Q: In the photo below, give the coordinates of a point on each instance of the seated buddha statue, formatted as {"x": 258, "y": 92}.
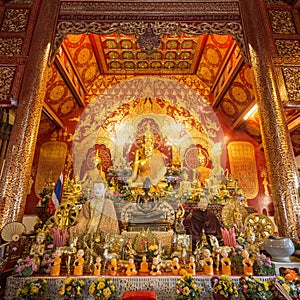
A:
{"x": 144, "y": 267}
{"x": 148, "y": 162}
{"x": 92, "y": 175}
{"x": 147, "y": 206}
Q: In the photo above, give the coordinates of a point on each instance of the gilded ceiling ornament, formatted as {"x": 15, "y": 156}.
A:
{"x": 7, "y": 76}
{"x": 10, "y": 46}
{"x": 292, "y": 77}
{"x": 282, "y": 22}
{"x": 15, "y": 20}
{"x": 158, "y": 29}
{"x": 290, "y": 48}
{"x": 149, "y": 42}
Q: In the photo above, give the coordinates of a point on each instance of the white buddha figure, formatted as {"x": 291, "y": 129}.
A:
{"x": 97, "y": 214}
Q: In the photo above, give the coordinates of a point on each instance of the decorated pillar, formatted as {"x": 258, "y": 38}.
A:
{"x": 276, "y": 139}
{"x": 17, "y": 168}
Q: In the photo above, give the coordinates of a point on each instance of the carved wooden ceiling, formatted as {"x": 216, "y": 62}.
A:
{"x": 212, "y": 64}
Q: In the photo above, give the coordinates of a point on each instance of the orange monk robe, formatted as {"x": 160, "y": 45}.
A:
{"x": 192, "y": 268}
{"x": 248, "y": 266}
{"x": 131, "y": 270}
{"x": 55, "y": 267}
{"x": 226, "y": 266}
{"x": 208, "y": 266}
{"x": 78, "y": 266}
{"x": 97, "y": 269}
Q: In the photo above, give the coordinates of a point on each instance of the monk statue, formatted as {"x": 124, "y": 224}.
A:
{"x": 93, "y": 174}
{"x": 203, "y": 220}
{"x": 97, "y": 214}
{"x": 148, "y": 162}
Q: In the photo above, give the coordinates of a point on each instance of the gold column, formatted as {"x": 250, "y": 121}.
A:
{"x": 17, "y": 168}
{"x": 276, "y": 139}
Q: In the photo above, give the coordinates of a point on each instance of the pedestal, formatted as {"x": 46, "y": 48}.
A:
{"x": 287, "y": 265}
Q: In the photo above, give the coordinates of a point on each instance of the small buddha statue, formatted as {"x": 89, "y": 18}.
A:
{"x": 79, "y": 263}
{"x": 179, "y": 226}
{"x": 97, "y": 266}
{"x": 226, "y": 262}
{"x": 113, "y": 267}
{"x": 131, "y": 269}
{"x": 192, "y": 266}
{"x": 144, "y": 265}
{"x": 55, "y": 264}
{"x": 38, "y": 248}
{"x": 247, "y": 263}
{"x": 185, "y": 186}
{"x": 175, "y": 266}
{"x": 155, "y": 268}
{"x": 252, "y": 245}
{"x": 208, "y": 262}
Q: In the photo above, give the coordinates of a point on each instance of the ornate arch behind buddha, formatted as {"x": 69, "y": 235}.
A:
{"x": 115, "y": 119}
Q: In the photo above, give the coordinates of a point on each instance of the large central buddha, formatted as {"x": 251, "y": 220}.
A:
{"x": 148, "y": 162}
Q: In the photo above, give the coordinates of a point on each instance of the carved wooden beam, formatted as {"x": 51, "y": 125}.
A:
{"x": 53, "y": 117}
{"x": 227, "y": 74}
{"x": 240, "y": 120}
{"x": 97, "y": 48}
{"x": 77, "y": 90}
{"x": 291, "y": 105}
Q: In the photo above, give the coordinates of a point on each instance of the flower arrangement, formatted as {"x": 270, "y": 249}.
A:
{"x": 224, "y": 286}
{"x": 236, "y": 255}
{"x": 255, "y": 289}
{"x": 25, "y": 267}
{"x": 186, "y": 288}
{"x": 32, "y": 288}
{"x": 102, "y": 288}
{"x": 290, "y": 287}
{"x": 153, "y": 249}
{"x": 72, "y": 287}
{"x": 291, "y": 275}
{"x": 263, "y": 266}
{"x": 82, "y": 198}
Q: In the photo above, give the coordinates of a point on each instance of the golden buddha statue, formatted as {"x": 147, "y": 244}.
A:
{"x": 93, "y": 174}
{"x": 203, "y": 172}
{"x": 148, "y": 162}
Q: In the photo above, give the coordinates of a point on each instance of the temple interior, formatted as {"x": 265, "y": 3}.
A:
{"x": 138, "y": 132}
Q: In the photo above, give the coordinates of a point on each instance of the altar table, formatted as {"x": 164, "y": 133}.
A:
{"x": 164, "y": 286}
